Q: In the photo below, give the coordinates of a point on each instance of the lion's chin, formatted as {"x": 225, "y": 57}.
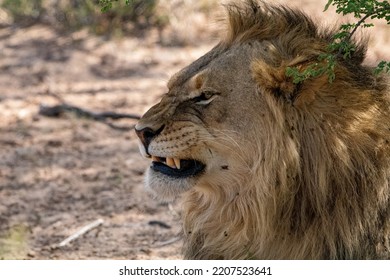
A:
{"x": 165, "y": 187}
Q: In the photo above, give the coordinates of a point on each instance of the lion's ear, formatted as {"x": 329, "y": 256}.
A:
{"x": 274, "y": 80}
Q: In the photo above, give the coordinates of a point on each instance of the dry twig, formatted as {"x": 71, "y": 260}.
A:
{"x": 81, "y": 232}
{"x": 168, "y": 242}
{"x": 58, "y": 110}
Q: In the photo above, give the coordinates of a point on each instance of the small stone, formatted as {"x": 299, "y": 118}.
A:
{"x": 31, "y": 254}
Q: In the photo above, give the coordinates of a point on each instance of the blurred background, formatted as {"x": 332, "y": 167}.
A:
{"x": 61, "y": 173}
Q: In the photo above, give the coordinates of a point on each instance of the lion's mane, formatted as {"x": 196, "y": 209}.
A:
{"x": 320, "y": 187}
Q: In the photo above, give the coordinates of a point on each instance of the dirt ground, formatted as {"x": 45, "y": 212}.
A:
{"x": 58, "y": 175}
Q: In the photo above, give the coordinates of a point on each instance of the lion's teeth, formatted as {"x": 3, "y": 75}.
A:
{"x": 170, "y": 162}
{"x": 177, "y": 162}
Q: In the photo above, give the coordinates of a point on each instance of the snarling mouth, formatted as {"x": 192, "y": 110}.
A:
{"x": 177, "y": 168}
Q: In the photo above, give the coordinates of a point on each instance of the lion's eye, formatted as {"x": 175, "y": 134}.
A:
{"x": 204, "y": 98}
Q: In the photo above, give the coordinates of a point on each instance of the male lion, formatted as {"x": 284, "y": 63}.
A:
{"x": 267, "y": 168}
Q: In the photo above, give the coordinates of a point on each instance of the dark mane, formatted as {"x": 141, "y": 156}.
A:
{"x": 291, "y": 29}
{"x": 256, "y": 20}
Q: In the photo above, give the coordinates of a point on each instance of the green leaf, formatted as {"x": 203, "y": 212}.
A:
{"x": 328, "y": 5}
{"x": 383, "y": 66}
{"x": 367, "y": 25}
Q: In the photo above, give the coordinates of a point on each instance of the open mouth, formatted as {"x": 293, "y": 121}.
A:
{"x": 177, "y": 168}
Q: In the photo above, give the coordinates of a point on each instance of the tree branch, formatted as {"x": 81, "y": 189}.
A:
{"x": 58, "y": 110}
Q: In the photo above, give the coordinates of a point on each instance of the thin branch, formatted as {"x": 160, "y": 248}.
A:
{"x": 159, "y": 223}
{"x": 81, "y": 232}
{"x": 363, "y": 19}
{"x": 57, "y": 110}
{"x": 358, "y": 24}
{"x": 168, "y": 242}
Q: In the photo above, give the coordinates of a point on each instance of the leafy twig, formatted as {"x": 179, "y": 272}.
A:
{"x": 106, "y": 5}
{"x": 341, "y": 45}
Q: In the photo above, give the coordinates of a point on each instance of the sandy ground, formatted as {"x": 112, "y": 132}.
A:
{"x": 59, "y": 174}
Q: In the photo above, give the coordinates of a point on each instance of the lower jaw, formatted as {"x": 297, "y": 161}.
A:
{"x": 166, "y": 188}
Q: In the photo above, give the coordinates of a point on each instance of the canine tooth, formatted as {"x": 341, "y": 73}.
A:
{"x": 177, "y": 162}
{"x": 170, "y": 162}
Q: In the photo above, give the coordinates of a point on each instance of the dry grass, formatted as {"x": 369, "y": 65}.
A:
{"x": 14, "y": 243}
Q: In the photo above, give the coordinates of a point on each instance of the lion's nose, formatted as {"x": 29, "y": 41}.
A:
{"x": 147, "y": 134}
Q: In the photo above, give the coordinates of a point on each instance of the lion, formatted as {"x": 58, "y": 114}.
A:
{"x": 266, "y": 168}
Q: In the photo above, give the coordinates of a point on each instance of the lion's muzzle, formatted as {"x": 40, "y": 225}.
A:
{"x": 170, "y": 166}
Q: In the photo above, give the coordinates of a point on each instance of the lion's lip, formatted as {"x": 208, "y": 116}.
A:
{"x": 177, "y": 168}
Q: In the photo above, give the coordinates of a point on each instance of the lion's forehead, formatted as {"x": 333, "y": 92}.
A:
{"x": 216, "y": 68}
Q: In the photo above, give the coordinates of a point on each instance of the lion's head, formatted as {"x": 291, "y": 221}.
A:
{"x": 268, "y": 168}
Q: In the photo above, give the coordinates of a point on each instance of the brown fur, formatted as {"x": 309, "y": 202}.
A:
{"x": 293, "y": 171}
